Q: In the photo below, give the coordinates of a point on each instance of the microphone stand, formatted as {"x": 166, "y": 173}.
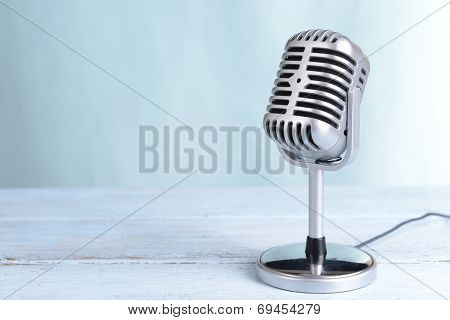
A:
{"x": 315, "y": 203}
{"x": 315, "y": 249}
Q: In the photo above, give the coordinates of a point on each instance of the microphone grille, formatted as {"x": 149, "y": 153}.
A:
{"x": 317, "y": 71}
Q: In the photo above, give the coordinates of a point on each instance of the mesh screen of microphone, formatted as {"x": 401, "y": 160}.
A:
{"x": 307, "y": 114}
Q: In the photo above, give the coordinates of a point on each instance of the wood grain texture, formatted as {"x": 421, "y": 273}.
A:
{"x": 202, "y": 243}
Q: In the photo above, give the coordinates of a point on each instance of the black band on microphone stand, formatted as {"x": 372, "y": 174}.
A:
{"x": 316, "y": 250}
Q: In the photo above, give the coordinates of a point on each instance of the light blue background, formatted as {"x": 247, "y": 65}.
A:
{"x": 64, "y": 123}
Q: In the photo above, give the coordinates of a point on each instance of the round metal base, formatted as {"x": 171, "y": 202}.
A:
{"x": 345, "y": 268}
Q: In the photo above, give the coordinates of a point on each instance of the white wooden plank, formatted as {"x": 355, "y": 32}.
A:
{"x": 202, "y": 243}
{"x": 141, "y": 280}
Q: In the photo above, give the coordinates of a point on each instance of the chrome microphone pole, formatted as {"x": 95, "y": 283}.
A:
{"x": 315, "y": 247}
{"x": 316, "y": 203}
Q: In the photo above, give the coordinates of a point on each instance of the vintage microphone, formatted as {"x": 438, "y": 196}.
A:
{"x": 313, "y": 117}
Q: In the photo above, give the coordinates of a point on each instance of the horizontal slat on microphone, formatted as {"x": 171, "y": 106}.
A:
{"x": 283, "y": 93}
{"x": 277, "y": 110}
{"x": 326, "y": 89}
{"x": 335, "y": 53}
{"x": 328, "y": 70}
{"x": 316, "y": 106}
{"x": 282, "y": 102}
{"x": 316, "y": 116}
{"x": 290, "y": 66}
{"x": 333, "y": 62}
{"x": 282, "y": 84}
{"x": 328, "y": 80}
{"x": 296, "y": 49}
{"x": 313, "y": 96}
{"x": 284, "y": 75}
{"x": 293, "y": 58}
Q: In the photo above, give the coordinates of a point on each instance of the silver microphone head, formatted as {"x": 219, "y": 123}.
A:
{"x": 322, "y": 76}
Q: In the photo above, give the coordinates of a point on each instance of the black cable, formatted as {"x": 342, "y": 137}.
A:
{"x": 401, "y": 224}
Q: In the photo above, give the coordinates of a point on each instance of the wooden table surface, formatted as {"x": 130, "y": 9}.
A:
{"x": 203, "y": 243}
